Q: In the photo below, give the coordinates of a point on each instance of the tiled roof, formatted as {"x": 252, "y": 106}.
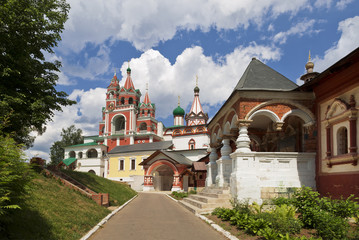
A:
{"x": 259, "y": 76}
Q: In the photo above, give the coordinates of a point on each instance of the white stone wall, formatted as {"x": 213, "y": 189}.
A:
{"x": 256, "y": 170}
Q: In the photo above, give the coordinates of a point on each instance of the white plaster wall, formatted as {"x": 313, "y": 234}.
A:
{"x": 193, "y": 155}
{"x": 181, "y": 142}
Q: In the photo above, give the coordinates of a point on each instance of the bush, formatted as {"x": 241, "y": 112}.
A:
{"x": 329, "y": 226}
{"x": 282, "y": 200}
{"x": 179, "y": 195}
{"x": 15, "y": 174}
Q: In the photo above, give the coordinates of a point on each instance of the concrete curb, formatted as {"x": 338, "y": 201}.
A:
{"x": 211, "y": 223}
{"x": 103, "y": 221}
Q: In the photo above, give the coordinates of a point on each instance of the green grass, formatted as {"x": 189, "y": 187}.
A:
{"x": 119, "y": 192}
{"x": 53, "y": 211}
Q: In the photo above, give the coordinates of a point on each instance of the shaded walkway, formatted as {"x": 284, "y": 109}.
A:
{"x": 155, "y": 216}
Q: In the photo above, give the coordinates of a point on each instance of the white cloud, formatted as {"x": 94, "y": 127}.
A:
{"x": 348, "y": 41}
{"x": 323, "y": 3}
{"x": 342, "y": 4}
{"x": 89, "y": 106}
{"x": 166, "y": 82}
{"x": 146, "y": 23}
{"x": 300, "y": 29}
{"x": 92, "y": 66}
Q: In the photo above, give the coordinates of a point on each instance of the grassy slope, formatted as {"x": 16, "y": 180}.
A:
{"x": 119, "y": 192}
{"x": 53, "y": 211}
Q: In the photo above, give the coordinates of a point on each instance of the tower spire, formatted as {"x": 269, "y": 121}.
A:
{"x": 147, "y": 97}
{"x": 128, "y": 82}
{"x": 310, "y": 73}
{"x": 196, "y": 116}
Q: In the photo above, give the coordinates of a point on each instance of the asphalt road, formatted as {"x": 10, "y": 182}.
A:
{"x": 155, "y": 216}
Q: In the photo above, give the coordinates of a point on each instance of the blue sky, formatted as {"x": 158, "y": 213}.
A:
{"x": 168, "y": 43}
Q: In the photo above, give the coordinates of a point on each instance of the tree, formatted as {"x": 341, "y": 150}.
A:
{"x": 70, "y": 136}
{"x": 15, "y": 174}
{"x": 28, "y": 30}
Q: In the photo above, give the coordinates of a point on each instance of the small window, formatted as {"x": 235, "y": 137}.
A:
{"x": 72, "y": 154}
{"x": 92, "y": 153}
{"x": 80, "y": 154}
{"x": 133, "y": 164}
{"x": 121, "y": 165}
{"x": 130, "y": 100}
{"x": 191, "y": 144}
{"x": 342, "y": 140}
{"x": 122, "y": 100}
{"x": 143, "y": 126}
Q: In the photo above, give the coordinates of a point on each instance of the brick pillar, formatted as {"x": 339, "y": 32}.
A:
{"x": 353, "y": 134}
{"x": 329, "y": 148}
{"x": 148, "y": 183}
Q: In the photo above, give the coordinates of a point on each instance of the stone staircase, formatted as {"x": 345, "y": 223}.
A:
{"x": 207, "y": 200}
{"x": 100, "y": 198}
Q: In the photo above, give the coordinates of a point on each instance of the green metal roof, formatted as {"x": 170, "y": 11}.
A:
{"x": 84, "y": 144}
{"x": 259, "y": 76}
{"x": 68, "y": 161}
{"x": 178, "y": 111}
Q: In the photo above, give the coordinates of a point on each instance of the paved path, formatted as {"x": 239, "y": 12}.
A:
{"x": 155, "y": 216}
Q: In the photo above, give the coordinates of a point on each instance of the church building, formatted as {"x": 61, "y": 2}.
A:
{"x": 133, "y": 147}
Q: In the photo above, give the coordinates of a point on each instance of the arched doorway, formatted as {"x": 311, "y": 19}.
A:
{"x": 163, "y": 178}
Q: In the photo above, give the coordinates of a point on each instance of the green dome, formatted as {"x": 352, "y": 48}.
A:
{"x": 128, "y": 69}
{"x": 178, "y": 111}
{"x": 196, "y": 89}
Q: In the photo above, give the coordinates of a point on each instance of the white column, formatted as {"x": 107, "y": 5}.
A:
{"x": 211, "y": 167}
{"x": 243, "y": 141}
{"x": 224, "y": 164}
{"x": 245, "y": 183}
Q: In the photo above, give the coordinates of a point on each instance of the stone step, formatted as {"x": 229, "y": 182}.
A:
{"x": 195, "y": 209}
{"x": 215, "y": 195}
{"x": 199, "y": 204}
{"x": 216, "y": 191}
{"x": 207, "y": 199}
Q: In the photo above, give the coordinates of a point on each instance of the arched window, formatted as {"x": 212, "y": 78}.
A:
{"x": 143, "y": 112}
{"x": 143, "y": 126}
{"x": 192, "y": 144}
{"x": 103, "y": 130}
{"x": 122, "y": 100}
{"x": 149, "y": 112}
{"x": 342, "y": 140}
{"x": 92, "y": 171}
{"x": 92, "y": 153}
{"x": 80, "y": 154}
{"x": 119, "y": 123}
{"x": 130, "y": 100}
{"x": 72, "y": 154}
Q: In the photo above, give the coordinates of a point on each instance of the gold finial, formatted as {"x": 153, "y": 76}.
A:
{"x": 309, "y": 57}
{"x": 115, "y": 71}
{"x": 179, "y": 100}
{"x": 128, "y": 63}
{"x": 196, "y": 80}
{"x": 147, "y": 87}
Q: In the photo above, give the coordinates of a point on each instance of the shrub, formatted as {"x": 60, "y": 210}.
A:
{"x": 343, "y": 208}
{"x": 307, "y": 203}
{"x": 179, "y": 195}
{"x": 282, "y": 200}
{"x": 329, "y": 226}
{"x": 223, "y": 213}
{"x": 192, "y": 192}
